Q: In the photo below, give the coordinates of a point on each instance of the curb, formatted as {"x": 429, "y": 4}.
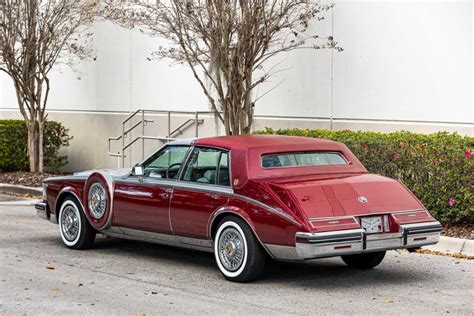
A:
{"x": 25, "y": 202}
{"x": 21, "y": 188}
{"x": 454, "y": 245}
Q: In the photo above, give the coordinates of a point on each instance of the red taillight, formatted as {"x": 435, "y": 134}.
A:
{"x": 343, "y": 247}
{"x": 412, "y": 217}
{"x": 343, "y": 221}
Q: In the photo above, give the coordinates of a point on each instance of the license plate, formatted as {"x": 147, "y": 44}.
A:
{"x": 372, "y": 225}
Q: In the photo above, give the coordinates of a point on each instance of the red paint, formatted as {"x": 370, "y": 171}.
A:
{"x": 311, "y": 199}
{"x": 142, "y": 206}
{"x": 191, "y": 211}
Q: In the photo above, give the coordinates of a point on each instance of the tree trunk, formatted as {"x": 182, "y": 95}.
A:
{"x": 33, "y": 145}
{"x": 40, "y": 147}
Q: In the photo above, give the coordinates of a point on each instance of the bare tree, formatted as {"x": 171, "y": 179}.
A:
{"x": 226, "y": 43}
{"x": 35, "y": 35}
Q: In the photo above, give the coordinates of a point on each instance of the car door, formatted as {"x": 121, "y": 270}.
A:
{"x": 142, "y": 203}
{"x": 203, "y": 187}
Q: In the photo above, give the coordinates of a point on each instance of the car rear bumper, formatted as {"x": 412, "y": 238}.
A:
{"x": 354, "y": 241}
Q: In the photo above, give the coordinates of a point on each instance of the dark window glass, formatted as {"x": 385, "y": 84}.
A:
{"x": 165, "y": 163}
{"x": 302, "y": 159}
{"x": 209, "y": 166}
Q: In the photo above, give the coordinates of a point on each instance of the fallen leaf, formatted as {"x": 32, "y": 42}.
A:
{"x": 142, "y": 314}
{"x": 55, "y": 289}
{"x": 388, "y": 302}
{"x": 50, "y": 266}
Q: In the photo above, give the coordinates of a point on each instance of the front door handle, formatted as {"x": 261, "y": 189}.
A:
{"x": 214, "y": 196}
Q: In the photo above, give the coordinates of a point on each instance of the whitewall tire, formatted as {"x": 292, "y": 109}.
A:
{"x": 75, "y": 230}
{"x": 238, "y": 253}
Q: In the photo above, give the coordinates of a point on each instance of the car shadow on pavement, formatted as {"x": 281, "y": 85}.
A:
{"x": 328, "y": 273}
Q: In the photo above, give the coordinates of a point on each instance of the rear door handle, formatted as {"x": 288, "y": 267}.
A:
{"x": 167, "y": 193}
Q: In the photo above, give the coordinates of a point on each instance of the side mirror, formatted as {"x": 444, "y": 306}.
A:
{"x": 138, "y": 171}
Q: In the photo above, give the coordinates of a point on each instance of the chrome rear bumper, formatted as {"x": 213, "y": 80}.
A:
{"x": 353, "y": 241}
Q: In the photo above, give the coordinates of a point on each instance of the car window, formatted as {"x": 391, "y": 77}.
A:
{"x": 166, "y": 163}
{"x": 302, "y": 159}
{"x": 209, "y": 166}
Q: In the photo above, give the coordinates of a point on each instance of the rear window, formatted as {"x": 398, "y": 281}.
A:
{"x": 302, "y": 159}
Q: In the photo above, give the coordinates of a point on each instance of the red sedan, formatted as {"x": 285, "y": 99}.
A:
{"x": 245, "y": 198}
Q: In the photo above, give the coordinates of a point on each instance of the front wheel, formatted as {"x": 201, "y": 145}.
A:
{"x": 364, "y": 260}
{"x": 239, "y": 255}
{"x": 75, "y": 230}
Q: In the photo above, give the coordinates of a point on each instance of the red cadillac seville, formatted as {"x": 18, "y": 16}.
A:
{"x": 245, "y": 198}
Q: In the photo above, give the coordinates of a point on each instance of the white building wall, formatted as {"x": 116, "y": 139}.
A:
{"x": 405, "y": 65}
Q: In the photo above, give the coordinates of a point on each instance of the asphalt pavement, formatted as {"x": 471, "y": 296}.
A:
{"x": 39, "y": 276}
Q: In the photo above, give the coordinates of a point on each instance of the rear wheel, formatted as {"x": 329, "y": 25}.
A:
{"x": 75, "y": 230}
{"x": 364, "y": 260}
{"x": 238, "y": 253}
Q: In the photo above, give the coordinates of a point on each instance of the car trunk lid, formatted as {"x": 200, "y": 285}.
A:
{"x": 352, "y": 195}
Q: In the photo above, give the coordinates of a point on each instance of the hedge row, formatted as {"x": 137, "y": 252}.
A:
{"x": 14, "y": 145}
{"x": 438, "y": 168}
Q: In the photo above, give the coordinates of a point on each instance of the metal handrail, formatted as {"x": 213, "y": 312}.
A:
{"x": 143, "y": 122}
{"x": 166, "y": 139}
{"x": 179, "y": 128}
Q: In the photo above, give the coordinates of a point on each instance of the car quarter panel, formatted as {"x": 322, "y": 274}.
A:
{"x": 57, "y": 188}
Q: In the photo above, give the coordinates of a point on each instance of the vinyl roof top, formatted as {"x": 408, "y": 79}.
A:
{"x": 262, "y": 141}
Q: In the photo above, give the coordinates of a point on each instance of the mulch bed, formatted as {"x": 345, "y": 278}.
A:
{"x": 28, "y": 179}
{"x": 35, "y": 179}
{"x": 465, "y": 231}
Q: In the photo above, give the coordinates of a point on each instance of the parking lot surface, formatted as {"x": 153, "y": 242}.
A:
{"x": 118, "y": 277}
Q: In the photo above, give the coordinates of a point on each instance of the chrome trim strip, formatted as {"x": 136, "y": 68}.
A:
{"x": 342, "y": 242}
{"x": 158, "y": 238}
{"x": 179, "y": 184}
{"x": 283, "y": 253}
{"x": 422, "y": 225}
{"x": 64, "y": 178}
{"x": 365, "y": 214}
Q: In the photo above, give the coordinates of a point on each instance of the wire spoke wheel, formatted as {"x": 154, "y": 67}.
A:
{"x": 70, "y": 223}
{"x": 97, "y": 199}
{"x": 231, "y": 249}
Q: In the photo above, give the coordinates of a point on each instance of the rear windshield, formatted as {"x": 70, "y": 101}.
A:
{"x": 302, "y": 159}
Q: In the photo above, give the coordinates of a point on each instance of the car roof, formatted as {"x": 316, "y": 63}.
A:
{"x": 268, "y": 142}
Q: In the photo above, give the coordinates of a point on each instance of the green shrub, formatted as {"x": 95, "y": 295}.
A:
{"x": 14, "y": 144}
{"x": 438, "y": 168}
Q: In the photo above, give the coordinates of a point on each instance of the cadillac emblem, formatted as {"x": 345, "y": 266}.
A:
{"x": 362, "y": 199}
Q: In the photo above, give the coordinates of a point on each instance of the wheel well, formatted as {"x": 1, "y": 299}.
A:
{"x": 220, "y": 217}
{"x": 61, "y": 200}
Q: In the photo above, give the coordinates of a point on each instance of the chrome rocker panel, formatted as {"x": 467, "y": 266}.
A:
{"x": 355, "y": 241}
